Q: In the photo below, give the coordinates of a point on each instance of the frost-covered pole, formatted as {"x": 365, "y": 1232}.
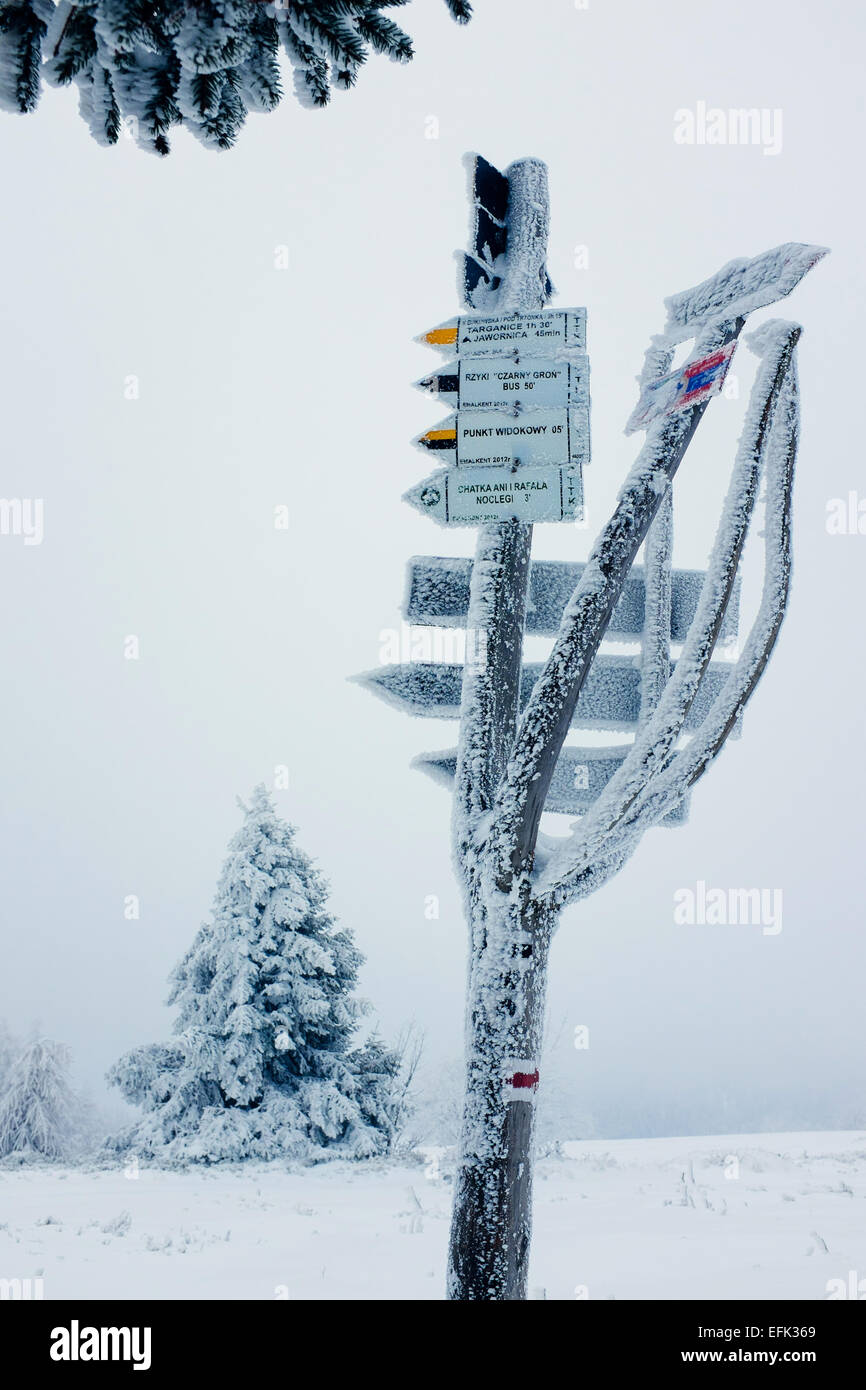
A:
{"x": 502, "y": 782}
{"x": 507, "y": 950}
{"x": 497, "y": 599}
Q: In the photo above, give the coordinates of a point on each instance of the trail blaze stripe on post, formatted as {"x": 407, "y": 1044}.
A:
{"x": 519, "y": 1081}
{"x": 523, "y": 1079}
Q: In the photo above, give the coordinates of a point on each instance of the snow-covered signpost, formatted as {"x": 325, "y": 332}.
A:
{"x": 510, "y": 764}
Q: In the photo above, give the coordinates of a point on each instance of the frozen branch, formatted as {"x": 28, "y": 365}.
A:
{"x": 650, "y": 782}
{"x": 548, "y": 715}
{"x": 656, "y": 638}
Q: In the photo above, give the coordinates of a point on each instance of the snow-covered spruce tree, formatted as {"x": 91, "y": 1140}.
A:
{"x": 262, "y": 1064}
{"x": 141, "y": 67}
{"x": 37, "y": 1107}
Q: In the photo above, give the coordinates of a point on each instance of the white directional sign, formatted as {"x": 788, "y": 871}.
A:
{"x": 495, "y": 439}
{"x": 437, "y": 595}
{"x": 515, "y": 382}
{"x": 579, "y": 778}
{"x": 610, "y": 698}
{"x": 740, "y": 287}
{"x": 475, "y": 496}
{"x": 489, "y": 335}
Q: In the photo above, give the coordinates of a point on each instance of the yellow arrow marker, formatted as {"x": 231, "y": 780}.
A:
{"x": 439, "y": 439}
{"x": 490, "y": 335}
{"x": 443, "y": 337}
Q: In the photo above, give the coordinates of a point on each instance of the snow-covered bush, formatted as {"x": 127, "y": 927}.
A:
{"x": 142, "y": 68}
{"x": 37, "y": 1105}
{"x": 262, "y": 1064}
{"x": 9, "y": 1050}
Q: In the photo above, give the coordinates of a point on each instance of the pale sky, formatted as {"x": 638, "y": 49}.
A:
{"x": 260, "y": 386}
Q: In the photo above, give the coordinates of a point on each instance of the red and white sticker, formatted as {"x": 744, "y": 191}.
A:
{"x": 520, "y": 1080}
{"x": 697, "y": 381}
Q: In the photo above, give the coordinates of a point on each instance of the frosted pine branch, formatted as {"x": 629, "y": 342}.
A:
{"x": 141, "y": 69}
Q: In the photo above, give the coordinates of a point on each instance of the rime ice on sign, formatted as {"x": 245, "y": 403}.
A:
{"x": 520, "y": 435}
{"x": 580, "y": 777}
{"x": 513, "y": 383}
{"x": 697, "y": 381}
{"x": 497, "y": 440}
{"x": 475, "y": 496}
{"x": 437, "y": 595}
{"x": 739, "y": 288}
{"x": 609, "y": 698}
{"x": 488, "y": 335}
{"x": 489, "y": 194}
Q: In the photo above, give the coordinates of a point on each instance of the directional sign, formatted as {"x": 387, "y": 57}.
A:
{"x": 490, "y": 189}
{"x": 437, "y": 595}
{"x": 495, "y": 439}
{"x": 474, "y": 496}
{"x": 609, "y": 699}
{"x": 512, "y": 383}
{"x": 739, "y": 288}
{"x": 490, "y": 233}
{"x": 488, "y": 335}
{"x": 580, "y": 776}
{"x": 697, "y": 381}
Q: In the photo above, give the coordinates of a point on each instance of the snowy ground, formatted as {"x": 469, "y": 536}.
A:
{"x": 743, "y": 1216}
